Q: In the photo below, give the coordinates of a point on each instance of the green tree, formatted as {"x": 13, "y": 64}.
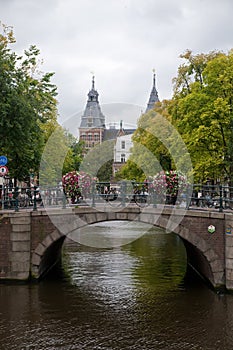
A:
{"x": 27, "y": 101}
{"x": 62, "y": 153}
{"x": 98, "y": 161}
{"x": 157, "y": 146}
{"x": 202, "y": 108}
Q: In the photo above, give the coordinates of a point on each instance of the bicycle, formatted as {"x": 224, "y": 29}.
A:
{"x": 112, "y": 197}
{"x": 141, "y": 198}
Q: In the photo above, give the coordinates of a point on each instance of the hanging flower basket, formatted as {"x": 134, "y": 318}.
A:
{"x": 168, "y": 183}
{"x": 76, "y": 185}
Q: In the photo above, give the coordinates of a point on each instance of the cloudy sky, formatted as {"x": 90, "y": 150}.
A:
{"x": 121, "y": 41}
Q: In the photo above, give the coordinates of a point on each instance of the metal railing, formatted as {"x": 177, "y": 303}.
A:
{"x": 197, "y": 196}
{"x": 17, "y": 198}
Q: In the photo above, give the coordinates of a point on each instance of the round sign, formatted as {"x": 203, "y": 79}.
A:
{"x": 3, "y": 160}
{"x": 3, "y": 170}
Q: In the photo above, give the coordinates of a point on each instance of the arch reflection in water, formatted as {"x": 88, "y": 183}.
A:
{"x": 156, "y": 260}
{"x": 109, "y": 234}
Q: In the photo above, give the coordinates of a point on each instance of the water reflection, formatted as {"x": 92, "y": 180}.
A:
{"x": 110, "y": 234}
{"x": 129, "y": 297}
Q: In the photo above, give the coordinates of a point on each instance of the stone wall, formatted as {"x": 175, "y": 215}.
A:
{"x": 15, "y": 243}
{"x": 229, "y": 251}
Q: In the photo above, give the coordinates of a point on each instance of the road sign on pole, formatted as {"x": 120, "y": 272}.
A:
{"x": 3, "y": 160}
{"x": 3, "y": 170}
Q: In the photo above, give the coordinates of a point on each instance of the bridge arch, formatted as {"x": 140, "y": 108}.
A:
{"x": 200, "y": 253}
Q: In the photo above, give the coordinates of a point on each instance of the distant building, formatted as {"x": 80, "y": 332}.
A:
{"x": 122, "y": 151}
{"x": 93, "y": 129}
{"x": 92, "y": 126}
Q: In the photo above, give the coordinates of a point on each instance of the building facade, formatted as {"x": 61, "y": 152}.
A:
{"x": 93, "y": 129}
{"x": 92, "y": 125}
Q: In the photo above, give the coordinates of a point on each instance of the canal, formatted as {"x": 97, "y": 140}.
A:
{"x": 131, "y": 296}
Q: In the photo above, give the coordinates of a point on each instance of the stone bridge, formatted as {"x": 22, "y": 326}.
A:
{"x": 31, "y": 241}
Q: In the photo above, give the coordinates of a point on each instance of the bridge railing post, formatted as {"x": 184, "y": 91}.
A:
{"x": 34, "y": 199}
{"x": 123, "y": 193}
{"x": 154, "y": 198}
{"x": 93, "y": 192}
{"x": 64, "y": 200}
{"x": 188, "y": 196}
{"x": 16, "y": 198}
{"x": 220, "y": 199}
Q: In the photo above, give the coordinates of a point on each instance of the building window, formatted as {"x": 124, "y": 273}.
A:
{"x": 122, "y": 144}
{"x": 89, "y": 136}
{"x": 122, "y": 158}
{"x": 96, "y": 137}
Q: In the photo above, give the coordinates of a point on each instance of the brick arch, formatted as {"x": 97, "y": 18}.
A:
{"x": 198, "y": 247}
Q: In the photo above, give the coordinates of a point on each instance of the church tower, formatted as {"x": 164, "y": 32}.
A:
{"x": 92, "y": 124}
{"x": 153, "y": 96}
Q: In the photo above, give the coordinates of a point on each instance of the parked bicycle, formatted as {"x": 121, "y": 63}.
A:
{"x": 137, "y": 194}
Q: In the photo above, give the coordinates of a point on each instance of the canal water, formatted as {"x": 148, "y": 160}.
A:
{"x": 130, "y": 296}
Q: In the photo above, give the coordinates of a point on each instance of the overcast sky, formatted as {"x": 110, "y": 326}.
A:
{"x": 121, "y": 41}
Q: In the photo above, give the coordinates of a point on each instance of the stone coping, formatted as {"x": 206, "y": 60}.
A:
{"x": 128, "y": 209}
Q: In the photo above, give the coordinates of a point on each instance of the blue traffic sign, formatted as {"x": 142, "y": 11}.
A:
{"x": 3, "y": 160}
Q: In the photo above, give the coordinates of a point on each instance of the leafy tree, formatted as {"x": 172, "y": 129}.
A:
{"x": 202, "y": 108}
{"x": 98, "y": 161}
{"x": 147, "y": 152}
{"x": 27, "y": 101}
{"x": 77, "y": 152}
{"x": 157, "y": 146}
{"x": 62, "y": 154}
{"x": 130, "y": 171}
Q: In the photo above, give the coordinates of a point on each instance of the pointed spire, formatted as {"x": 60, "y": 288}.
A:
{"x": 121, "y": 125}
{"x": 92, "y": 116}
{"x": 93, "y": 82}
{"x": 93, "y": 94}
{"x": 153, "y": 95}
{"x": 154, "y": 81}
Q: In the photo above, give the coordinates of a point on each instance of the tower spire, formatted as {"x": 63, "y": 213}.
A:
{"x": 93, "y": 82}
{"x": 92, "y": 116}
{"x": 153, "y": 95}
{"x": 154, "y": 80}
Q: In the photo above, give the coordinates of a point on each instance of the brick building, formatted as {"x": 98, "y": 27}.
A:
{"x": 93, "y": 128}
